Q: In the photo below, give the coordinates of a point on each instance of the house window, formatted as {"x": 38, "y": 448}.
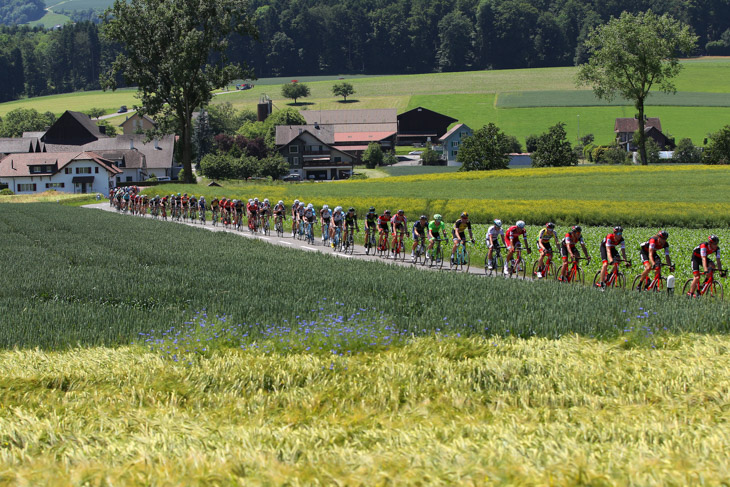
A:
{"x": 83, "y": 170}
{"x": 96, "y": 170}
{"x": 36, "y": 169}
{"x": 338, "y": 159}
{"x": 129, "y": 179}
{"x": 54, "y": 185}
{"x": 25, "y": 188}
{"x": 293, "y": 149}
{"x": 454, "y": 143}
{"x": 454, "y": 152}
{"x": 67, "y": 170}
{"x": 294, "y": 161}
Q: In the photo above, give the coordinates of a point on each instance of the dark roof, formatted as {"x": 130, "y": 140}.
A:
{"x": 632, "y": 125}
{"x": 73, "y": 128}
{"x": 287, "y": 133}
{"x": 426, "y": 110}
{"x": 335, "y": 117}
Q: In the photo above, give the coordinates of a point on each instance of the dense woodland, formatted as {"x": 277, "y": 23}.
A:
{"x": 21, "y": 11}
{"x": 310, "y": 37}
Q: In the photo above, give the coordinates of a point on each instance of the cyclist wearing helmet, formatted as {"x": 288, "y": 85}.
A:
{"x": 252, "y": 211}
{"x": 458, "y": 232}
{"x": 648, "y": 251}
{"x": 371, "y": 222}
{"x": 568, "y": 250}
{"x": 265, "y": 211}
{"x": 609, "y": 252}
{"x": 338, "y": 218}
{"x": 436, "y": 228}
{"x": 546, "y": 234}
{"x": 325, "y": 215}
{"x": 512, "y": 238}
{"x": 294, "y": 213}
{"x": 699, "y": 258}
{"x": 279, "y": 213}
{"x": 494, "y": 234}
{"x": 383, "y": 225}
{"x": 398, "y": 227}
{"x": 419, "y": 232}
{"x": 350, "y": 222}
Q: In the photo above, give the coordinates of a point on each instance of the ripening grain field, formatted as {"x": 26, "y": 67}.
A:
{"x": 138, "y": 352}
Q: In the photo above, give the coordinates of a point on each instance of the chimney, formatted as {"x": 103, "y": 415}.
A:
{"x": 157, "y": 145}
{"x": 102, "y": 129}
{"x": 12, "y": 164}
{"x": 131, "y": 143}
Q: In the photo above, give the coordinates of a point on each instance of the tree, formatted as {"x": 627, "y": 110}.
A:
{"x": 531, "y": 143}
{"x": 455, "y": 35}
{"x": 295, "y": 91}
{"x": 633, "y": 53}
{"x": 430, "y": 157}
{"x": 373, "y": 155}
{"x": 718, "y": 147}
{"x": 687, "y": 153}
{"x": 25, "y": 120}
{"x": 95, "y": 112}
{"x": 488, "y": 148}
{"x": 553, "y": 149}
{"x": 202, "y": 136}
{"x": 343, "y": 89}
{"x": 175, "y": 53}
{"x": 109, "y": 129}
{"x": 274, "y": 167}
{"x": 225, "y": 119}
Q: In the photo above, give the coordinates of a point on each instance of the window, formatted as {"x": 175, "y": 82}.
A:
{"x": 454, "y": 143}
{"x": 129, "y": 179}
{"x": 338, "y": 159}
{"x": 293, "y": 149}
{"x": 454, "y": 152}
{"x": 119, "y": 180}
{"x": 294, "y": 161}
{"x": 24, "y": 188}
{"x": 83, "y": 170}
{"x": 96, "y": 170}
{"x": 36, "y": 169}
{"x": 54, "y": 185}
{"x": 67, "y": 170}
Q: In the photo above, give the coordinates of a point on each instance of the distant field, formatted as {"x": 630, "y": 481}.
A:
{"x": 50, "y": 20}
{"x": 79, "y": 101}
{"x": 586, "y": 98}
{"x": 78, "y": 4}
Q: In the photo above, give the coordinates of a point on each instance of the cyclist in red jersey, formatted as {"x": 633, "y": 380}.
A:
{"x": 648, "y": 252}
{"x": 609, "y": 252}
{"x": 568, "y": 250}
{"x": 512, "y": 238}
{"x": 384, "y": 222}
{"x": 398, "y": 225}
{"x": 699, "y": 258}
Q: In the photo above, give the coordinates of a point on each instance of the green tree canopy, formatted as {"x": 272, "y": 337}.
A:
{"x": 633, "y": 53}
{"x": 373, "y": 155}
{"x": 718, "y": 147}
{"x": 553, "y": 149}
{"x": 288, "y": 116}
{"x": 488, "y": 148}
{"x": 295, "y": 91}
{"x": 175, "y": 53}
{"x": 343, "y": 89}
{"x": 25, "y": 120}
{"x": 686, "y": 152}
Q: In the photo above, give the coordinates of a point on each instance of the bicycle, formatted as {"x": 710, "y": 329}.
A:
{"x": 370, "y": 244}
{"x": 548, "y": 269}
{"x": 614, "y": 278}
{"x": 265, "y": 228}
{"x": 202, "y": 216}
{"x": 215, "y": 217}
{"x": 658, "y": 283}
{"x": 279, "y": 226}
{"x": 435, "y": 256}
{"x": 709, "y": 286}
{"x": 308, "y": 233}
{"x": 460, "y": 260}
{"x": 419, "y": 254}
{"x": 348, "y": 245}
{"x": 326, "y": 234}
{"x": 574, "y": 273}
{"x": 337, "y": 239}
{"x": 384, "y": 245}
{"x": 497, "y": 261}
{"x": 517, "y": 267}
{"x": 398, "y": 248}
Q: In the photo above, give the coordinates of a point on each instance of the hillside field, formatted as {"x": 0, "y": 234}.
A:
{"x": 479, "y": 97}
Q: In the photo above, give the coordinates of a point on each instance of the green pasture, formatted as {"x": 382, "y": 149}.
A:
{"x": 78, "y": 4}
{"x": 50, "y": 20}
{"x": 80, "y": 101}
{"x": 586, "y": 98}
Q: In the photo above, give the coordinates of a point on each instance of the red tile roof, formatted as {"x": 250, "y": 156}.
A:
{"x": 632, "y": 125}
{"x": 362, "y": 136}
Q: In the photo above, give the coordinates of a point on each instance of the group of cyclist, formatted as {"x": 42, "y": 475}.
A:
{"x": 391, "y": 229}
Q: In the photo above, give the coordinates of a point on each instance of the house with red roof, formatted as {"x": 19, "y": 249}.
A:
{"x": 624, "y": 128}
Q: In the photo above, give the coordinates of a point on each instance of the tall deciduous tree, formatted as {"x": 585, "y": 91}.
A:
{"x": 488, "y": 148}
{"x": 175, "y": 55}
{"x": 633, "y": 53}
{"x": 343, "y": 89}
{"x": 295, "y": 91}
{"x": 553, "y": 149}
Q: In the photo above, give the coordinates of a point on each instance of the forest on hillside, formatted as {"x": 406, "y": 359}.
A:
{"x": 318, "y": 37}
{"x": 21, "y": 11}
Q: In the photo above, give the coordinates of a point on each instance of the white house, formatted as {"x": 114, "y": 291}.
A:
{"x": 451, "y": 141}
{"x": 69, "y": 172}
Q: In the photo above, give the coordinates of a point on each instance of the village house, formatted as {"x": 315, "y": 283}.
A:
{"x": 311, "y": 154}
{"x": 624, "y": 128}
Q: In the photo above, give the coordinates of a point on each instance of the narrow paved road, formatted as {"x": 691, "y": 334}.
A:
{"x": 293, "y": 243}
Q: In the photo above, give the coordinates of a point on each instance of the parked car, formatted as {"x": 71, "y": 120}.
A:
{"x": 292, "y": 177}
{"x": 244, "y": 86}
{"x": 415, "y": 153}
{"x": 122, "y": 109}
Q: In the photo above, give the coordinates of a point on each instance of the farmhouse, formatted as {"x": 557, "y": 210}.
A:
{"x": 355, "y": 129}
{"x": 70, "y": 172}
{"x": 137, "y": 124}
{"x": 310, "y": 152}
{"x": 451, "y": 141}
{"x": 624, "y": 128}
{"x": 422, "y": 125}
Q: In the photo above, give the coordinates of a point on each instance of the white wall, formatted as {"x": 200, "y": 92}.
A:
{"x": 100, "y": 184}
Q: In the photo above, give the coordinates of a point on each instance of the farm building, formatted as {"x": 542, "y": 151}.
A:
{"x": 355, "y": 129}
{"x": 624, "y": 128}
{"x": 311, "y": 154}
{"x": 70, "y": 172}
{"x": 422, "y": 125}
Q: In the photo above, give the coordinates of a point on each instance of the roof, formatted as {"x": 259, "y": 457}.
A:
{"x": 155, "y": 158}
{"x": 632, "y": 124}
{"x": 421, "y": 109}
{"x": 346, "y": 148}
{"x": 285, "y": 134}
{"x": 453, "y": 130}
{"x": 379, "y": 115}
{"x": 14, "y": 145}
{"x": 29, "y": 135}
{"x": 73, "y": 128}
{"x": 18, "y": 165}
{"x": 137, "y": 115}
{"x": 130, "y": 158}
{"x": 362, "y": 136}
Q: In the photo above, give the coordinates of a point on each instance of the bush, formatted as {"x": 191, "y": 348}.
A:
{"x": 687, "y": 153}
{"x": 610, "y": 154}
{"x": 531, "y": 143}
{"x": 430, "y": 157}
{"x": 486, "y": 149}
{"x": 181, "y": 175}
{"x": 553, "y": 149}
{"x": 6, "y": 192}
{"x": 718, "y": 147}
{"x": 373, "y": 155}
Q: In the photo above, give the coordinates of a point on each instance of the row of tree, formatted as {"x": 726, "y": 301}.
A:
{"x": 308, "y": 37}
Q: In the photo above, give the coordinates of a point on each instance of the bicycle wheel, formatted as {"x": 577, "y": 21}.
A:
{"x": 715, "y": 291}
{"x": 465, "y": 260}
{"x": 401, "y": 250}
{"x": 620, "y": 282}
{"x": 659, "y": 285}
{"x": 579, "y": 276}
{"x": 439, "y": 254}
{"x": 350, "y": 244}
{"x": 597, "y": 278}
{"x": 636, "y": 282}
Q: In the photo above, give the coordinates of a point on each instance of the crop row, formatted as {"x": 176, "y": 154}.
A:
{"x": 81, "y": 276}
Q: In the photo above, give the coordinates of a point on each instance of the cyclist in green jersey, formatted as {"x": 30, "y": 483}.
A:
{"x": 436, "y": 228}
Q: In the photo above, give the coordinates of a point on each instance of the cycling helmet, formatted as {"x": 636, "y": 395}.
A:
{"x": 714, "y": 239}
{"x": 664, "y": 234}
{"x": 325, "y": 207}
{"x": 400, "y": 212}
{"x": 372, "y": 208}
{"x": 387, "y": 212}
{"x": 159, "y": 196}
{"x": 618, "y": 230}
{"x": 281, "y": 202}
{"x": 185, "y": 194}
{"x": 351, "y": 209}
{"x": 296, "y": 202}
{"x": 437, "y": 217}
{"x": 465, "y": 215}
{"x": 250, "y": 201}
{"x": 550, "y": 225}
{"x": 180, "y": 194}
{"x": 266, "y": 200}
{"x": 201, "y": 197}
{"x": 339, "y": 208}
{"x": 256, "y": 200}
{"x": 423, "y": 217}
{"x": 235, "y": 201}
{"x": 520, "y": 224}
{"x": 576, "y": 229}
{"x": 497, "y": 223}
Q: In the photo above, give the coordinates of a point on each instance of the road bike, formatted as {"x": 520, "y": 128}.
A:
{"x": 574, "y": 272}
{"x": 709, "y": 287}
{"x": 348, "y": 246}
{"x": 279, "y": 226}
{"x": 337, "y": 239}
{"x": 202, "y": 215}
{"x": 460, "y": 259}
{"x": 657, "y": 283}
{"x": 370, "y": 243}
{"x": 398, "y": 249}
{"x": 615, "y": 279}
{"x": 326, "y": 234}
{"x": 265, "y": 225}
{"x": 548, "y": 268}
{"x": 419, "y": 253}
{"x": 497, "y": 261}
{"x": 215, "y": 217}
{"x": 435, "y": 256}
{"x": 308, "y": 233}
{"x": 383, "y": 245}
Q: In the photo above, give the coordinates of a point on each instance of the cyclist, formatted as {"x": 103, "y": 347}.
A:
{"x": 371, "y": 218}
{"x": 350, "y": 222}
{"x": 279, "y": 213}
{"x": 648, "y": 252}
{"x": 325, "y": 216}
{"x": 419, "y": 233}
{"x": 568, "y": 250}
{"x": 383, "y": 224}
{"x": 546, "y": 234}
{"x": 163, "y": 207}
{"x": 700, "y": 255}
{"x": 252, "y": 211}
{"x": 185, "y": 200}
{"x": 436, "y": 228}
{"x": 193, "y": 201}
{"x": 201, "y": 206}
{"x": 338, "y": 218}
{"x": 494, "y": 234}
{"x": 512, "y": 237}
{"x": 294, "y": 213}
{"x": 398, "y": 228}
{"x": 458, "y": 232}
{"x": 265, "y": 212}
{"x": 308, "y": 216}
{"x": 214, "y": 207}
{"x": 609, "y": 252}
{"x": 300, "y": 216}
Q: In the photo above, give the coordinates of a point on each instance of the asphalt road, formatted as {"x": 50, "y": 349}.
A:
{"x": 293, "y": 243}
